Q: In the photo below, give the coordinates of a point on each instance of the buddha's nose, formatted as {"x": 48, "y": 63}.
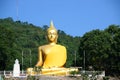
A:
{"x": 51, "y": 36}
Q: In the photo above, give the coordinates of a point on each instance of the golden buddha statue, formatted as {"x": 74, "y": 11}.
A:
{"x": 52, "y": 56}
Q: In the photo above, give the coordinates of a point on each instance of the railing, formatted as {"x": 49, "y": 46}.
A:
{"x": 82, "y": 74}
{"x": 11, "y": 72}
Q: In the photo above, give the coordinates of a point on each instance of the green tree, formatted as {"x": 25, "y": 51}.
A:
{"x": 6, "y": 48}
{"x": 114, "y": 55}
{"x": 101, "y": 49}
{"x": 29, "y": 37}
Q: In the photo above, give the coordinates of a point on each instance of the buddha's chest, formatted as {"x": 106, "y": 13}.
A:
{"x": 54, "y": 56}
{"x": 50, "y": 50}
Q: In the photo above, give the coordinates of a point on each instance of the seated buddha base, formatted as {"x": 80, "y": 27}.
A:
{"x": 52, "y": 71}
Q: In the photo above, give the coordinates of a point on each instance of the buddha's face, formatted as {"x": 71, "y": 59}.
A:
{"x": 52, "y": 35}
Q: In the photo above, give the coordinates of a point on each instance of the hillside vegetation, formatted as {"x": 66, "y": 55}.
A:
{"x": 97, "y": 48}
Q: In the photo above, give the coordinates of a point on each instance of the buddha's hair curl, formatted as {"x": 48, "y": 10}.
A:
{"x": 51, "y": 27}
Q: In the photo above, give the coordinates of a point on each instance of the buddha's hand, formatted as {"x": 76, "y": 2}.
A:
{"x": 37, "y": 68}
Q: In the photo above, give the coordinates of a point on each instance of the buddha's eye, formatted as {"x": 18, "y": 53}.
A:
{"x": 54, "y": 33}
{"x": 51, "y": 33}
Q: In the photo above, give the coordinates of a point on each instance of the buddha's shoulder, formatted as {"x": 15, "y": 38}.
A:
{"x": 61, "y": 46}
{"x": 43, "y": 46}
{"x": 48, "y": 46}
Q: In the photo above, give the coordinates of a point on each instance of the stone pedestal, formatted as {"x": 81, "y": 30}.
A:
{"x": 16, "y": 69}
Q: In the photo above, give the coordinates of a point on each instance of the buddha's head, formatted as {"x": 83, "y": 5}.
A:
{"x": 52, "y": 33}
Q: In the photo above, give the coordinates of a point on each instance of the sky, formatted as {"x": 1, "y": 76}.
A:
{"x": 74, "y": 17}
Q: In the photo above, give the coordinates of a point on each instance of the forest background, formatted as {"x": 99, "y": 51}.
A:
{"x": 99, "y": 48}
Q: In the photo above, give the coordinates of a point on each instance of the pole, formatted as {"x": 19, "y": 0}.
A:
{"x": 17, "y": 9}
{"x": 75, "y": 58}
{"x": 84, "y": 60}
{"x": 30, "y": 58}
{"x": 22, "y": 61}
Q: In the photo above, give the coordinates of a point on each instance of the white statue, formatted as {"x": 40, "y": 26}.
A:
{"x": 16, "y": 69}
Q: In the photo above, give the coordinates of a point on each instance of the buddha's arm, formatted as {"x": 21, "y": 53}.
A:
{"x": 40, "y": 60}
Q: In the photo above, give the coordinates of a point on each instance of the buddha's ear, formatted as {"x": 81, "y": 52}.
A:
{"x": 46, "y": 37}
{"x": 56, "y": 38}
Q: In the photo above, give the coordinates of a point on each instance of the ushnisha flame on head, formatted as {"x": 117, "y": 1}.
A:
{"x": 51, "y": 27}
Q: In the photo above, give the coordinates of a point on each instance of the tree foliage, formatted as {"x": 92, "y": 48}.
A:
{"x": 98, "y": 48}
{"x": 102, "y": 49}
{"x": 26, "y": 38}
